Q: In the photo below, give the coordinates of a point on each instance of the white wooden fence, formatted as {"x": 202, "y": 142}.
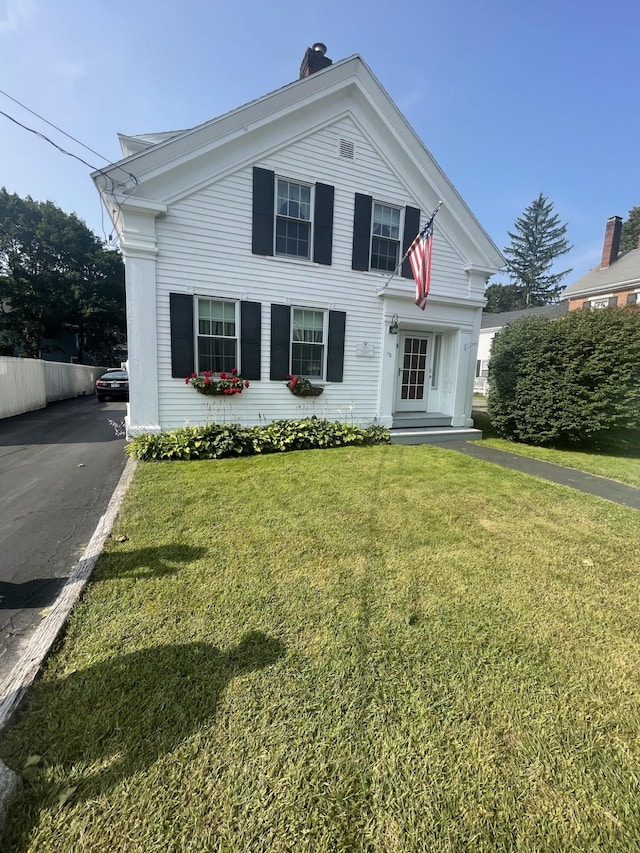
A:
{"x": 29, "y": 383}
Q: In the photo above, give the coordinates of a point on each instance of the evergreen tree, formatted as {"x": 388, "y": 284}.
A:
{"x": 630, "y": 231}
{"x": 538, "y": 239}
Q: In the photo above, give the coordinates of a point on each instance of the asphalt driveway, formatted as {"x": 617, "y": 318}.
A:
{"x": 59, "y": 467}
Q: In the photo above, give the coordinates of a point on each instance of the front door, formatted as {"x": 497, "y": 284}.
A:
{"x": 413, "y": 374}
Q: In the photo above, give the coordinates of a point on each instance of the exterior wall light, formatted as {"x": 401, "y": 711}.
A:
{"x": 393, "y": 328}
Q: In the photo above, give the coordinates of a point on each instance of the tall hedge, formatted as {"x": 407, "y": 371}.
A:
{"x": 567, "y": 381}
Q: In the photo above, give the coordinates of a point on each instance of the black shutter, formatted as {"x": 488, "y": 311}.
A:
{"x": 280, "y": 341}
{"x": 361, "y": 232}
{"x": 411, "y": 231}
{"x": 613, "y": 301}
{"x": 250, "y": 328}
{"x": 323, "y": 224}
{"x": 263, "y": 211}
{"x": 181, "y": 320}
{"x": 335, "y": 346}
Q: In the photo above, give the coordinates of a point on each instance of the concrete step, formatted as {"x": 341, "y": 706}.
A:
{"x": 433, "y": 435}
{"x": 411, "y": 420}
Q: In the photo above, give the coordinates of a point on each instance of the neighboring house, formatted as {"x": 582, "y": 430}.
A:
{"x": 615, "y": 282}
{"x": 265, "y": 239}
{"x": 493, "y": 323}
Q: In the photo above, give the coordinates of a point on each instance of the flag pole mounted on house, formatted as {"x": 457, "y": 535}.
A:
{"x": 419, "y": 254}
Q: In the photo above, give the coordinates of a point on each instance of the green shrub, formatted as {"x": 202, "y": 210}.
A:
{"x": 567, "y": 381}
{"x": 216, "y": 441}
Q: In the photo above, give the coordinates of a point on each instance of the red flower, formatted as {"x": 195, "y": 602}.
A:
{"x": 186, "y": 381}
{"x": 207, "y": 380}
{"x": 246, "y": 383}
{"x": 234, "y": 371}
{"x": 223, "y": 376}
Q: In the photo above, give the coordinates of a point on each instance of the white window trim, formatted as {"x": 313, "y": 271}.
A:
{"x": 401, "y": 210}
{"x": 311, "y": 187}
{"x": 325, "y": 341}
{"x": 604, "y": 299}
{"x": 196, "y": 330}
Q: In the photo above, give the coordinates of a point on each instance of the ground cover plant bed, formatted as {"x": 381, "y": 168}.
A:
{"x": 383, "y": 649}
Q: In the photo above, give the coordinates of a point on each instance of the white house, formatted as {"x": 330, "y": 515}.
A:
{"x": 265, "y": 239}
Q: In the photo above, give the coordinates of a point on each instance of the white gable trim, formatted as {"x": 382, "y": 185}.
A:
{"x": 293, "y": 109}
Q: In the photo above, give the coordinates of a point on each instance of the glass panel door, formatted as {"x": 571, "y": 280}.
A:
{"x": 413, "y": 375}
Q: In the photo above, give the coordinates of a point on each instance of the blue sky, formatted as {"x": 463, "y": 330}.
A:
{"x": 511, "y": 98}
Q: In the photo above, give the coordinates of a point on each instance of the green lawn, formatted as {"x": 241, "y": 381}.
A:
{"x": 613, "y": 463}
{"x": 386, "y": 649}
{"x": 625, "y": 469}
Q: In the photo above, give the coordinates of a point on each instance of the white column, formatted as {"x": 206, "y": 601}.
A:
{"x": 139, "y": 249}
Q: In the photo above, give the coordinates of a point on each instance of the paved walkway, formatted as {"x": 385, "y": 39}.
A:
{"x": 589, "y": 483}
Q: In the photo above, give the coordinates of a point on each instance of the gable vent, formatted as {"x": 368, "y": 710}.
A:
{"x": 346, "y": 149}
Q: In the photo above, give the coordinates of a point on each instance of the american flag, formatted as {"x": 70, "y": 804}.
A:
{"x": 419, "y": 254}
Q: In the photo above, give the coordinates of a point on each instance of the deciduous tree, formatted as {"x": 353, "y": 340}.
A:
{"x": 56, "y": 276}
{"x": 504, "y": 297}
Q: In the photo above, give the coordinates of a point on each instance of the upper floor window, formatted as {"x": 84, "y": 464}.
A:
{"x": 217, "y": 336}
{"x": 385, "y": 237}
{"x": 290, "y": 218}
{"x": 308, "y": 343}
{"x": 293, "y": 219}
{"x": 382, "y": 233}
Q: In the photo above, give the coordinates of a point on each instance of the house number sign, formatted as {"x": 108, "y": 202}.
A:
{"x": 364, "y": 350}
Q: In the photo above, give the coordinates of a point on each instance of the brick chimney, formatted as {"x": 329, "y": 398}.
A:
{"x": 611, "y": 241}
{"x": 314, "y": 60}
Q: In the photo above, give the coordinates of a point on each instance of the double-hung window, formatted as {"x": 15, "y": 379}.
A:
{"x": 382, "y": 233}
{"x": 385, "y": 237}
{"x": 217, "y": 336}
{"x": 308, "y": 343}
{"x": 293, "y": 219}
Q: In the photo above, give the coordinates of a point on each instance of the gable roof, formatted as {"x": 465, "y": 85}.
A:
{"x": 621, "y": 274}
{"x": 504, "y": 318}
{"x": 164, "y": 167}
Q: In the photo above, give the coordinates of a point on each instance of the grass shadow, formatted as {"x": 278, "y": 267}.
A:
{"x": 103, "y": 724}
{"x": 122, "y": 561}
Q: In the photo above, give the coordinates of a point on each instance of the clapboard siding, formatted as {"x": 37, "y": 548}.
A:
{"x": 186, "y": 229}
{"x": 205, "y": 249}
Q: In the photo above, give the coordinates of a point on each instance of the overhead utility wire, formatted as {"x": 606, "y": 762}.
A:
{"x": 50, "y": 141}
{"x": 68, "y": 153}
{"x": 60, "y": 130}
{"x": 51, "y": 124}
